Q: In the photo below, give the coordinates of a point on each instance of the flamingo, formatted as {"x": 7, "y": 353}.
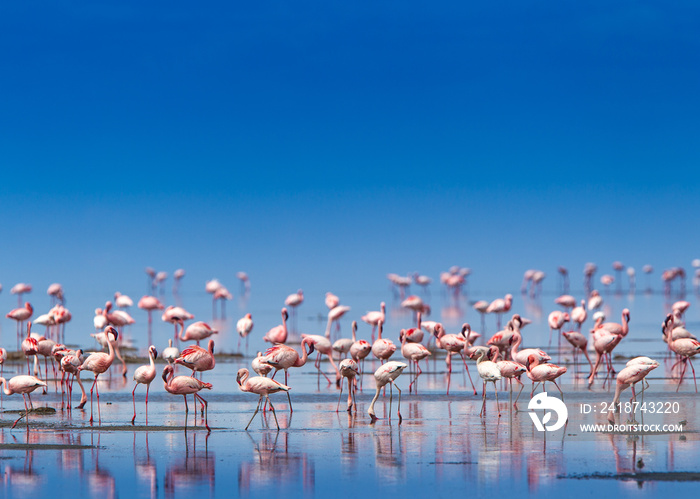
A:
{"x": 348, "y": 369}
{"x": 22, "y": 384}
{"x": 98, "y": 363}
{"x": 197, "y": 331}
{"x": 3, "y": 358}
{"x": 342, "y": 346}
{"x": 489, "y": 372}
{"x": 415, "y": 334}
{"x": 512, "y": 370}
{"x": 211, "y": 287}
{"x": 30, "y": 348}
{"x": 603, "y": 345}
{"x": 262, "y": 386}
{"x": 481, "y": 306}
{"x": 170, "y": 353}
{"x": 334, "y": 315}
{"x": 244, "y": 326}
{"x": 19, "y": 289}
{"x": 387, "y": 373}
{"x": 323, "y": 345}
{"x": 359, "y": 350}
{"x": 293, "y": 301}
{"x": 499, "y": 306}
{"x": 245, "y": 282}
{"x": 595, "y": 301}
{"x": 20, "y": 315}
{"x": 145, "y": 375}
{"x": 556, "y": 321}
{"x": 332, "y": 300}
{"x": 224, "y": 295}
{"x": 579, "y": 342}
{"x": 174, "y": 315}
{"x": 521, "y": 356}
{"x": 373, "y": 318}
{"x": 413, "y": 352}
{"x": 123, "y": 301}
{"x": 177, "y": 277}
{"x": 628, "y": 377}
{"x": 686, "y": 348}
{"x": 149, "y": 304}
{"x": 579, "y": 315}
{"x": 541, "y": 373}
{"x": 259, "y": 365}
{"x": 283, "y": 357}
{"x": 186, "y": 385}
{"x": 566, "y": 301}
{"x": 382, "y": 348}
{"x": 614, "y": 327}
{"x": 453, "y": 343}
{"x": 278, "y": 334}
{"x": 55, "y": 291}
{"x": 197, "y": 358}
{"x": 70, "y": 362}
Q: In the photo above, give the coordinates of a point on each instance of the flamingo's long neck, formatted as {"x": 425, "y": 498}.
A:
{"x": 514, "y": 349}
{"x": 5, "y": 389}
{"x": 304, "y": 353}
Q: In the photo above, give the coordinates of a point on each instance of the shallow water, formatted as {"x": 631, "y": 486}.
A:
{"x": 441, "y": 447}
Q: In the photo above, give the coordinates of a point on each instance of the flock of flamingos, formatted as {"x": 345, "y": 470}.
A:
{"x": 500, "y": 358}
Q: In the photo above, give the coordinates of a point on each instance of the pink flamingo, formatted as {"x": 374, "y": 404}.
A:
{"x": 98, "y": 363}
{"x": 579, "y": 342}
{"x": 149, "y": 304}
{"x": 55, "y": 291}
{"x": 579, "y": 315}
{"x": 177, "y": 277}
{"x": 603, "y": 345}
{"x": 244, "y": 326}
{"x": 170, "y": 353}
{"x": 332, "y": 300}
{"x": 22, "y": 384}
{"x": 489, "y": 372}
{"x": 334, "y": 315}
{"x": 521, "y": 356}
{"x": 70, "y": 362}
{"x": 348, "y": 369}
{"x": 373, "y": 318}
{"x": 628, "y": 377}
{"x": 197, "y": 358}
{"x": 20, "y": 315}
{"x": 174, "y": 315}
{"x": 211, "y": 287}
{"x": 30, "y": 348}
{"x": 224, "y": 295}
{"x": 197, "y": 331}
{"x": 19, "y": 289}
{"x": 278, "y": 334}
{"x": 293, "y": 301}
{"x": 453, "y": 344}
{"x": 262, "y": 386}
{"x": 541, "y": 373}
{"x": 481, "y": 306}
{"x": 123, "y": 301}
{"x": 359, "y": 349}
{"x": 500, "y": 306}
{"x": 556, "y": 321}
{"x": 512, "y": 370}
{"x": 283, "y": 357}
{"x": 259, "y": 366}
{"x": 415, "y": 334}
{"x": 323, "y": 346}
{"x": 566, "y": 301}
{"x": 595, "y": 301}
{"x": 186, "y": 385}
{"x": 413, "y": 352}
{"x": 387, "y": 373}
{"x": 145, "y": 375}
{"x": 382, "y": 348}
{"x": 614, "y": 327}
{"x": 3, "y": 358}
{"x": 686, "y": 348}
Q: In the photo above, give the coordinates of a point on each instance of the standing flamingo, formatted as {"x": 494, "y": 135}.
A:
{"x": 334, "y": 315}
{"x": 413, "y": 352}
{"x": 323, "y": 346}
{"x": 481, "y": 306}
{"x": 348, "y": 369}
{"x": 603, "y": 345}
{"x": 20, "y": 315}
{"x": 283, "y": 357}
{"x": 22, "y": 384}
{"x": 579, "y": 315}
{"x": 556, "y": 321}
{"x": 500, "y": 306}
{"x": 197, "y": 358}
{"x": 685, "y": 348}
{"x": 197, "y": 331}
{"x": 98, "y": 363}
{"x": 579, "y": 342}
{"x": 144, "y": 375}
{"x": 541, "y": 373}
{"x": 489, "y": 372}
{"x": 453, "y": 343}
{"x": 170, "y": 353}
{"x": 186, "y": 385}
{"x": 382, "y": 348}
{"x": 70, "y": 362}
{"x": 387, "y": 373}
{"x": 628, "y": 377}
{"x": 293, "y": 301}
{"x": 262, "y": 386}
{"x": 373, "y": 318}
{"x": 123, "y": 301}
{"x": 332, "y": 300}
{"x": 19, "y": 289}
{"x": 244, "y": 326}
{"x": 149, "y": 304}
{"x": 278, "y": 334}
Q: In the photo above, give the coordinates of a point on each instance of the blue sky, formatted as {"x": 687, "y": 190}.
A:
{"x": 315, "y": 141}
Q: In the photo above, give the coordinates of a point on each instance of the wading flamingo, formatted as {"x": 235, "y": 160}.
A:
{"x": 98, "y": 363}
{"x": 262, "y": 386}
{"x": 348, "y": 369}
{"x": 489, "y": 372}
{"x": 186, "y": 385}
{"x": 278, "y": 334}
{"x": 283, "y": 357}
{"x": 145, "y": 375}
{"x": 22, "y": 384}
{"x": 387, "y": 373}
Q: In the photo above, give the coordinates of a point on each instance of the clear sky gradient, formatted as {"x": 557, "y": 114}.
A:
{"x": 319, "y": 142}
